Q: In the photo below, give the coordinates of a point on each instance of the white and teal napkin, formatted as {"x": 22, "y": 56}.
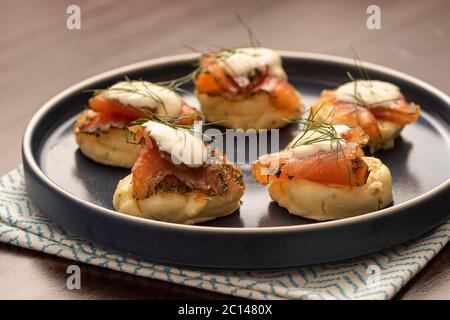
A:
{"x": 377, "y": 276}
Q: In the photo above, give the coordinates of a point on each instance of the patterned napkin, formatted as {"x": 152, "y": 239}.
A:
{"x": 377, "y": 276}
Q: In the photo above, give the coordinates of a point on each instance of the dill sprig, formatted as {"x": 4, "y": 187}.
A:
{"x": 177, "y": 83}
{"x": 363, "y": 73}
{"x": 223, "y": 53}
{"x": 132, "y": 89}
{"x": 356, "y": 94}
{"x": 226, "y": 51}
{"x": 151, "y": 116}
{"x": 327, "y": 132}
{"x": 170, "y": 121}
{"x": 254, "y": 41}
{"x": 364, "y": 80}
{"x": 316, "y": 131}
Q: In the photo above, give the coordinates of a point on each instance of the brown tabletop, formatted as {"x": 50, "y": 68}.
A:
{"x": 39, "y": 57}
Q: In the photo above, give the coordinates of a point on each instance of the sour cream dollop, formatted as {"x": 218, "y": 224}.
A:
{"x": 302, "y": 150}
{"x": 144, "y": 94}
{"x": 183, "y": 146}
{"x": 370, "y": 92}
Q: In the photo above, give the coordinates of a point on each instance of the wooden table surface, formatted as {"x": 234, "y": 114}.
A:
{"x": 39, "y": 57}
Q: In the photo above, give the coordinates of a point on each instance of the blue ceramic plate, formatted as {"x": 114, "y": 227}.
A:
{"x": 77, "y": 193}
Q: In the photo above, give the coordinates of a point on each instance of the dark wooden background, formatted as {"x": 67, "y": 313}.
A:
{"x": 39, "y": 57}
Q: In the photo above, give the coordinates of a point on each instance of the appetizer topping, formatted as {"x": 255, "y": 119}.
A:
{"x": 333, "y": 110}
{"x": 244, "y": 63}
{"x": 312, "y": 142}
{"x": 240, "y": 73}
{"x": 369, "y": 93}
{"x": 155, "y": 171}
{"x": 179, "y": 143}
{"x": 311, "y": 159}
{"x": 144, "y": 94}
{"x": 127, "y": 101}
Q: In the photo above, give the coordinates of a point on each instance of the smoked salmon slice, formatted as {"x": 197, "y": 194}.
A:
{"x": 351, "y": 114}
{"x": 341, "y": 166}
{"x": 154, "y": 171}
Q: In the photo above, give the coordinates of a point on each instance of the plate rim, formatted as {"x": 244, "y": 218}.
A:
{"x": 32, "y": 163}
